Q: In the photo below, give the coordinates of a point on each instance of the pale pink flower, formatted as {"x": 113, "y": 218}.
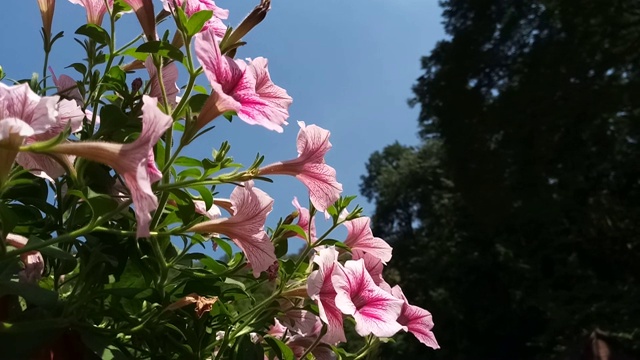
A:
{"x": 245, "y": 89}
{"x": 374, "y": 310}
{"x": 310, "y": 167}
{"x": 416, "y": 320}
{"x": 67, "y": 87}
{"x": 32, "y": 260}
{"x": 304, "y": 218}
{"x": 146, "y": 16}
{"x": 23, "y": 114}
{"x": 300, "y": 329}
{"x": 131, "y": 161}
{"x": 201, "y": 208}
{"x": 13, "y": 132}
{"x": 374, "y": 267}
{"x": 250, "y": 207}
{"x": 302, "y": 323}
{"x": 360, "y": 237}
{"x": 70, "y": 115}
{"x": 193, "y": 6}
{"x": 169, "y": 79}
{"x": 95, "y": 9}
{"x": 276, "y": 98}
{"x": 320, "y": 288}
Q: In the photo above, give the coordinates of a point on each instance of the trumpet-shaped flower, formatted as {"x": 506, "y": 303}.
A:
{"x": 360, "y": 237}
{"x": 193, "y": 6}
{"x": 310, "y": 167}
{"x": 374, "y": 267}
{"x": 95, "y": 9}
{"x": 32, "y": 260}
{"x": 67, "y": 87}
{"x": 245, "y": 89}
{"x": 23, "y": 114}
{"x": 69, "y": 115}
{"x": 374, "y": 310}
{"x": 416, "y": 320}
{"x": 146, "y": 16}
{"x": 305, "y": 221}
{"x": 245, "y": 227}
{"x": 132, "y": 161}
{"x": 320, "y": 288}
{"x": 169, "y": 79}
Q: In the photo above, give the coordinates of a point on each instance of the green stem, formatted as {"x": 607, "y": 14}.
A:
{"x": 44, "y": 67}
{"x": 121, "y": 49}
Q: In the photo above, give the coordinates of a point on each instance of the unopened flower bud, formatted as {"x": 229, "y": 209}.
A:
{"x": 136, "y": 84}
{"x": 272, "y": 271}
{"x": 252, "y": 20}
{"x": 289, "y": 219}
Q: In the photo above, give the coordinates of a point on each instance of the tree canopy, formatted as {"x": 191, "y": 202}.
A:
{"x": 517, "y": 220}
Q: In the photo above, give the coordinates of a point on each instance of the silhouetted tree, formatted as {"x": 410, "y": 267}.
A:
{"x": 517, "y": 221}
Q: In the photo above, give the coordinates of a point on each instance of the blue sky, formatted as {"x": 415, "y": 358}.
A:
{"x": 349, "y": 66}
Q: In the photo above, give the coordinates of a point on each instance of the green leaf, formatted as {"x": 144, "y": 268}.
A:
{"x": 79, "y": 67}
{"x": 190, "y": 173}
{"x": 196, "y": 21}
{"x": 213, "y": 265}
{"x": 224, "y": 246}
{"x": 295, "y": 228}
{"x": 51, "y": 251}
{"x": 161, "y": 48}
{"x": 34, "y": 294}
{"x": 247, "y": 350}
{"x": 282, "y": 247}
{"x": 281, "y": 350}
{"x": 187, "y": 161}
{"x": 205, "y": 194}
{"x": 136, "y": 55}
{"x": 95, "y": 33}
{"x": 235, "y": 282}
{"x": 196, "y": 102}
{"x": 186, "y": 208}
{"x": 120, "y": 6}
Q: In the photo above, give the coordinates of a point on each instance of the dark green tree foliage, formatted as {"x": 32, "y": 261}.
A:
{"x": 517, "y": 221}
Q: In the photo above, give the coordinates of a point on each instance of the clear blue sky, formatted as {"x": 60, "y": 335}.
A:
{"x": 348, "y": 64}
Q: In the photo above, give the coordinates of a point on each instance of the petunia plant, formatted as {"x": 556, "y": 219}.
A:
{"x": 116, "y": 243}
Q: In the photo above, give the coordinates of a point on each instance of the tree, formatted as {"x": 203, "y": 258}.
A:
{"x": 520, "y": 211}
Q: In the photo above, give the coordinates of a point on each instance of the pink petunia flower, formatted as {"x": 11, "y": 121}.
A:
{"x": 250, "y": 207}
{"x": 374, "y": 267}
{"x": 132, "y": 161}
{"x": 310, "y": 167}
{"x": 32, "y": 260}
{"x": 245, "y": 89}
{"x": 304, "y": 218}
{"x": 300, "y": 329}
{"x": 23, "y": 114}
{"x": 169, "y": 79}
{"x": 320, "y": 288}
{"x": 70, "y": 115}
{"x": 193, "y": 6}
{"x": 146, "y": 17}
{"x": 67, "y": 87}
{"x": 374, "y": 310}
{"x": 95, "y": 9}
{"x": 360, "y": 237}
{"x": 416, "y": 320}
